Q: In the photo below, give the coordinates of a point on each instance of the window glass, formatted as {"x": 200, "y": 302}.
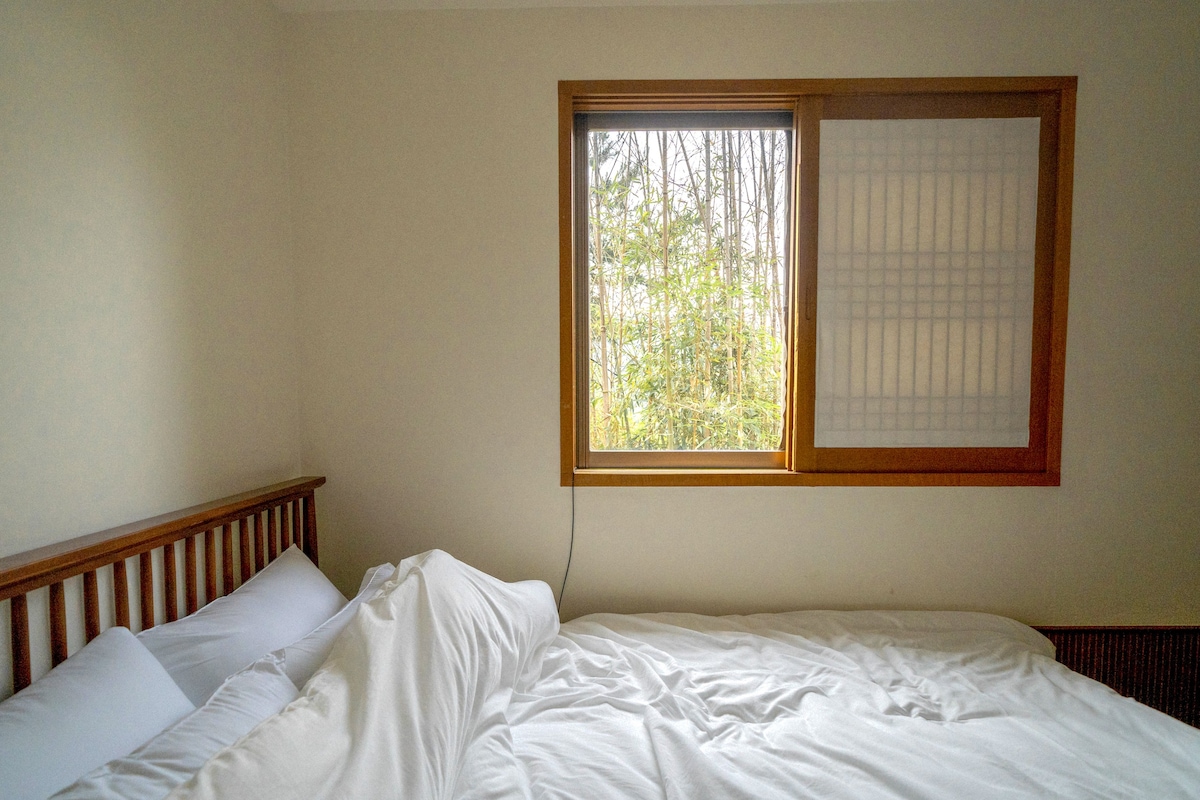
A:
{"x": 925, "y": 275}
{"x": 814, "y": 282}
{"x": 687, "y": 285}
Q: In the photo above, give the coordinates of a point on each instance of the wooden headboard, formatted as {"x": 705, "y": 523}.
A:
{"x": 239, "y": 535}
{"x": 222, "y": 544}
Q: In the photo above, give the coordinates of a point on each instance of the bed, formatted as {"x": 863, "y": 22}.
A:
{"x": 438, "y": 681}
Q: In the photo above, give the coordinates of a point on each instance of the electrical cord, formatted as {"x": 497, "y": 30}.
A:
{"x": 570, "y": 547}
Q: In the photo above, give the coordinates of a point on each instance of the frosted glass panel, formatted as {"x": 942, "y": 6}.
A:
{"x": 925, "y": 282}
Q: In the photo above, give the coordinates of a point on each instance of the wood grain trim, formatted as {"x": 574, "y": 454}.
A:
{"x": 120, "y": 593}
{"x": 18, "y": 612}
{"x": 802, "y": 313}
{"x": 91, "y": 606}
{"x": 58, "y": 625}
{"x": 632, "y": 94}
{"x": 780, "y": 477}
{"x": 286, "y": 509}
{"x": 191, "y": 598}
{"x": 24, "y": 572}
{"x": 246, "y": 547}
{"x": 689, "y": 459}
{"x": 170, "y": 584}
{"x": 1062, "y": 267}
{"x": 146, "y": 588}
{"x": 226, "y": 558}
{"x": 966, "y": 105}
{"x": 260, "y": 544}
{"x": 272, "y": 541}
{"x": 310, "y": 527}
{"x": 210, "y": 565}
{"x": 567, "y": 346}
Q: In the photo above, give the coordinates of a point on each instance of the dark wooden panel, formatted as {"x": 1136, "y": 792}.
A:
{"x": 287, "y": 519}
{"x": 170, "y": 587}
{"x": 227, "y": 558}
{"x": 272, "y": 542}
{"x": 1158, "y": 666}
{"x": 189, "y": 574}
{"x": 19, "y": 615}
{"x": 247, "y": 544}
{"x": 260, "y": 553}
{"x": 91, "y": 606}
{"x": 146, "y": 585}
{"x": 58, "y": 625}
{"x": 310, "y": 528}
{"x": 210, "y": 566}
{"x": 120, "y": 593}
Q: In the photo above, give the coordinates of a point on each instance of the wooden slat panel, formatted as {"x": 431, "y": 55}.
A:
{"x": 247, "y": 556}
{"x": 288, "y": 520}
{"x": 91, "y": 606}
{"x": 23, "y": 572}
{"x": 299, "y": 523}
{"x": 260, "y": 555}
{"x": 310, "y": 528}
{"x": 272, "y": 542}
{"x": 18, "y": 613}
{"x": 189, "y": 573}
{"x": 227, "y": 558}
{"x": 170, "y": 589}
{"x": 146, "y": 584}
{"x": 58, "y": 625}
{"x": 210, "y": 566}
{"x": 50, "y": 566}
{"x": 1156, "y": 666}
{"x": 121, "y": 593}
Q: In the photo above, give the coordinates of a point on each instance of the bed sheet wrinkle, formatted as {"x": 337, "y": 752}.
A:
{"x": 843, "y": 706}
{"x": 410, "y": 702}
{"x": 595, "y": 753}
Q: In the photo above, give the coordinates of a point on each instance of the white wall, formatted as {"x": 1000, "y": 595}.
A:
{"x": 424, "y": 166}
{"x": 153, "y": 349}
{"x": 148, "y": 343}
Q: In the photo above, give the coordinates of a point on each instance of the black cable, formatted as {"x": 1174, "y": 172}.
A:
{"x": 570, "y": 548}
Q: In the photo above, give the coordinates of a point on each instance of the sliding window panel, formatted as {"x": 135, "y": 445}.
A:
{"x": 925, "y": 273}
{"x": 935, "y": 285}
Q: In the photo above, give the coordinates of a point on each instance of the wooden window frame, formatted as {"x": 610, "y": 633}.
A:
{"x": 1052, "y": 99}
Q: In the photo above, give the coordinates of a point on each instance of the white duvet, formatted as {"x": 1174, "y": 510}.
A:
{"x": 452, "y": 684}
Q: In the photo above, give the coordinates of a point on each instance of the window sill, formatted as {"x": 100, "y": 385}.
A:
{"x": 780, "y": 477}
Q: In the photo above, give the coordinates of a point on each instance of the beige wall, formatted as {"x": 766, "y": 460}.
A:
{"x": 153, "y": 347}
{"x": 424, "y": 160}
{"x": 147, "y": 335}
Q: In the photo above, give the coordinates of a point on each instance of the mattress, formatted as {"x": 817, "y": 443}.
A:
{"x": 834, "y": 705}
{"x": 452, "y": 684}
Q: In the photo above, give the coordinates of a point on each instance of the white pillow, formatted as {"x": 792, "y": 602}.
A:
{"x": 302, "y": 658}
{"x": 100, "y": 703}
{"x": 154, "y": 769}
{"x": 276, "y": 607}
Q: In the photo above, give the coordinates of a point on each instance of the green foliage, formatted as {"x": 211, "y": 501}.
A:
{"x": 687, "y": 289}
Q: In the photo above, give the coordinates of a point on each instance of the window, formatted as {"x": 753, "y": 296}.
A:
{"x": 814, "y": 282}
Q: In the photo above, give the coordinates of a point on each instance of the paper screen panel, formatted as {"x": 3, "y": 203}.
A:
{"x": 925, "y": 282}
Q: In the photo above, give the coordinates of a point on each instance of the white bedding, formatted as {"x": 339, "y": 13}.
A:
{"x": 452, "y": 684}
{"x": 835, "y": 705}
{"x": 412, "y": 695}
